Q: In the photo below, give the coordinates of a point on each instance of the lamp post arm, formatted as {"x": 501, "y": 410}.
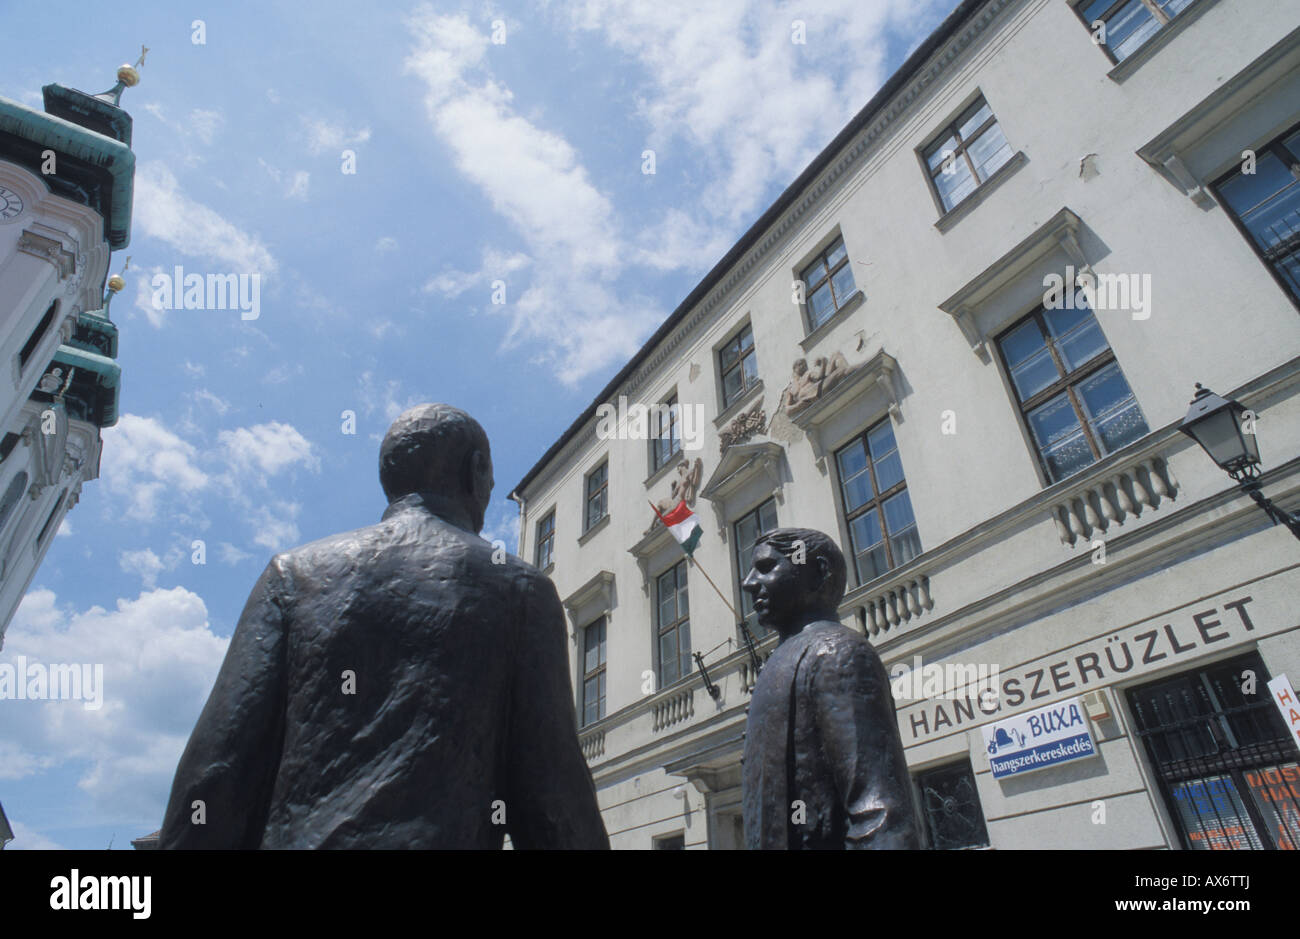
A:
{"x": 1278, "y": 516}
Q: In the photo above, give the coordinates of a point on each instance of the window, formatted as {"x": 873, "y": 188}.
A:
{"x": 49, "y": 521}
{"x": 966, "y": 153}
{"x": 828, "y": 283}
{"x": 674, "y": 630}
{"x": 1126, "y": 25}
{"x": 739, "y": 366}
{"x": 7, "y": 445}
{"x": 1266, "y": 206}
{"x": 1072, "y": 394}
{"x": 747, "y": 530}
{"x": 667, "y": 440}
{"x": 673, "y": 842}
{"x": 597, "y": 494}
{"x": 13, "y": 492}
{"x": 882, "y": 528}
{"x": 34, "y": 340}
{"x": 593, "y": 672}
{"x": 1224, "y": 759}
{"x": 951, "y": 806}
{"x": 546, "y": 541}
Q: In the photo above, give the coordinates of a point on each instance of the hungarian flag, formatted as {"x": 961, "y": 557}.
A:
{"x": 685, "y": 527}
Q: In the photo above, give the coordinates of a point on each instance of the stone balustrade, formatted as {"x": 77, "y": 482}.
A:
{"x": 1102, "y": 503}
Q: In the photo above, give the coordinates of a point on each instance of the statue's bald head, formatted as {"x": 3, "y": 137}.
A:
{"x": 440, "y": 449}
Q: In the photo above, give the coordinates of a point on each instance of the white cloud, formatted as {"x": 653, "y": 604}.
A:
{"x": 142, "y": 459}
{"x": 143, "y": 563}
{"x": 159, "y": 659}
{"x": 27, "y": 839}
{"x": 268, "y": 448}
{"x": 533, "y": 178}
{"x": 323, "y": 136}
{"x": 164, "y": 212}
{"x": 502, "y": 524}
{"x": 65, "y": 527}
{"x": 274, "y": 526}
{"x": 727, "y": 80}
{"x": 217, "y": 404}
{"x": 497, "y": 265}
{"x": 299, "y": 185}
{"x": 205, "y": 124}
{"x": 387, "y": 400}
{"x": 229, "y": 554}
{"x": 385, "y": 244}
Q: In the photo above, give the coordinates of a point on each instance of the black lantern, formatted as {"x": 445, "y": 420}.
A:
{"x": 1225, "y": 430}
{"x": 1217, "y": 425}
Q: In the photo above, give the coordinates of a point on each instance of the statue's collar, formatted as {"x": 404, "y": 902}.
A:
{"x": 449, "y": 510}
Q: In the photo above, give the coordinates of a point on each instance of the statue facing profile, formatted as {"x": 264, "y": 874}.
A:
{"x": 823, "y": 765}
{"x": 397, "y": 686}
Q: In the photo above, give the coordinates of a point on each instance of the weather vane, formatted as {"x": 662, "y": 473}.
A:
{"x": 144, "y": 51}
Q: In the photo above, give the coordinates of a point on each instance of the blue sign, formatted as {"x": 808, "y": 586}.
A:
{"x": 1047, "y": 736}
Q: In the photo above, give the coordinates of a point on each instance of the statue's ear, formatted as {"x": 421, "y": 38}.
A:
{"x": 480, "y": 475}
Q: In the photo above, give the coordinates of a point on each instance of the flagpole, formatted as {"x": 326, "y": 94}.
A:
{"x": 695, "y": 564}
{"x": 749, "y": 639}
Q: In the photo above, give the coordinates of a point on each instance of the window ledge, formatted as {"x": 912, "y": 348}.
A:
{"x": 587, "y": 535}
{"x": 662, "y": 471}
{"x": 1157, "y": 42}
{"x": 735, "y": 407}
{"x": 964, "y": 207}
{"x": 855, "y": 300}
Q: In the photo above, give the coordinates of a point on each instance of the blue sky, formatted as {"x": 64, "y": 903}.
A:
{"x": 517, "y": 160}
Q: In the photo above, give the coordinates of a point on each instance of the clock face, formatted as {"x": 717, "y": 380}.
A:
{"x": 11, "y": 204}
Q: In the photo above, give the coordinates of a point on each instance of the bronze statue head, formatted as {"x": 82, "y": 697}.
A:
{"x": 438, "y": 449}
{"x": 797, "y": 576}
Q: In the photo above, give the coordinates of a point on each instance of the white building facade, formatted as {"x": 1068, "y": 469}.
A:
{"x": 66, "y": 177}
{"x": 1003, "y": 279}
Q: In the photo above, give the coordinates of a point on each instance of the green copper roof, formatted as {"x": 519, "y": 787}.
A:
{"x": 72, "y": 140}
{"x": 95, "y": 332}
{"x": 98, "y": 394}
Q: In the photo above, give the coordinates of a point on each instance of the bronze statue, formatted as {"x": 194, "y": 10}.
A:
{"x": 398, "y": 686}
{"x": 823, "y": 765}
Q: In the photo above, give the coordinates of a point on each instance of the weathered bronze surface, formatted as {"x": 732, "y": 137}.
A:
{"x": 823, "y": 765}
{"x": 399, "y": 686}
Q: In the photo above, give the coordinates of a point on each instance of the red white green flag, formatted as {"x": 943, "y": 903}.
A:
{"x": 681, "y": 521}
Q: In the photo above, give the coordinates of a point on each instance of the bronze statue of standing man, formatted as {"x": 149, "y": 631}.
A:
{"x": 824, "y": 765}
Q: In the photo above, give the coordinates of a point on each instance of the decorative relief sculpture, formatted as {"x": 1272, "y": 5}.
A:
{"x": 809, "y": 384}
{"x": 684, "y": 488}
{"x": 746, "y": 425}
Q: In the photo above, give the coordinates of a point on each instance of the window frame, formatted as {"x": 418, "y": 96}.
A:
{"x": 927, "y": 824}
{"x": 953, "y": 129}
{"x": 596, "y": 673}
{"x": 877, "y": 502}
{"x": 1277, "y": 148}
{"x": 1160, "y": 16}
{"x": 750, "y": 620}
{"x": 674, "y": 421}
{"x": 548, "y": 540}
{"x": 602, "y": 491}
{"x": 1065, "y": 381}
{"x": 742, "y": 354}
{"x": 828, "y": 277}
{"x": 682, "y": 583}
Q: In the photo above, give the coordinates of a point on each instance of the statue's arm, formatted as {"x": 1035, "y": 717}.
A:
{"x": 233, "y": 754}
{"x": 550, "y": 798}
{"x": 858, "y": 728}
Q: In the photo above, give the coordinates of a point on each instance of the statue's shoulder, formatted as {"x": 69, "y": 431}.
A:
{"x": 835, "y": 642}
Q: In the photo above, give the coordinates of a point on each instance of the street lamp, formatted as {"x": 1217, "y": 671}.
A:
{"x": 1222, "y": 429}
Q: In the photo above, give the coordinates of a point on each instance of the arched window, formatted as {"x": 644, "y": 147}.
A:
{"x": 34, "y": 340}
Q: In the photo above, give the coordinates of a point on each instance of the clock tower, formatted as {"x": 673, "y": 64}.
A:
{"x": 66, "y": 186}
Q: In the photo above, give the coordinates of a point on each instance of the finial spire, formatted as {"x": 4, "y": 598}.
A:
{"x": 115, "y": 284}
{"x": 127, "y": 77}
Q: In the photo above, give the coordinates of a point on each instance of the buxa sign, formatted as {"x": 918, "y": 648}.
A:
{"x": 1047, "y": 736}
